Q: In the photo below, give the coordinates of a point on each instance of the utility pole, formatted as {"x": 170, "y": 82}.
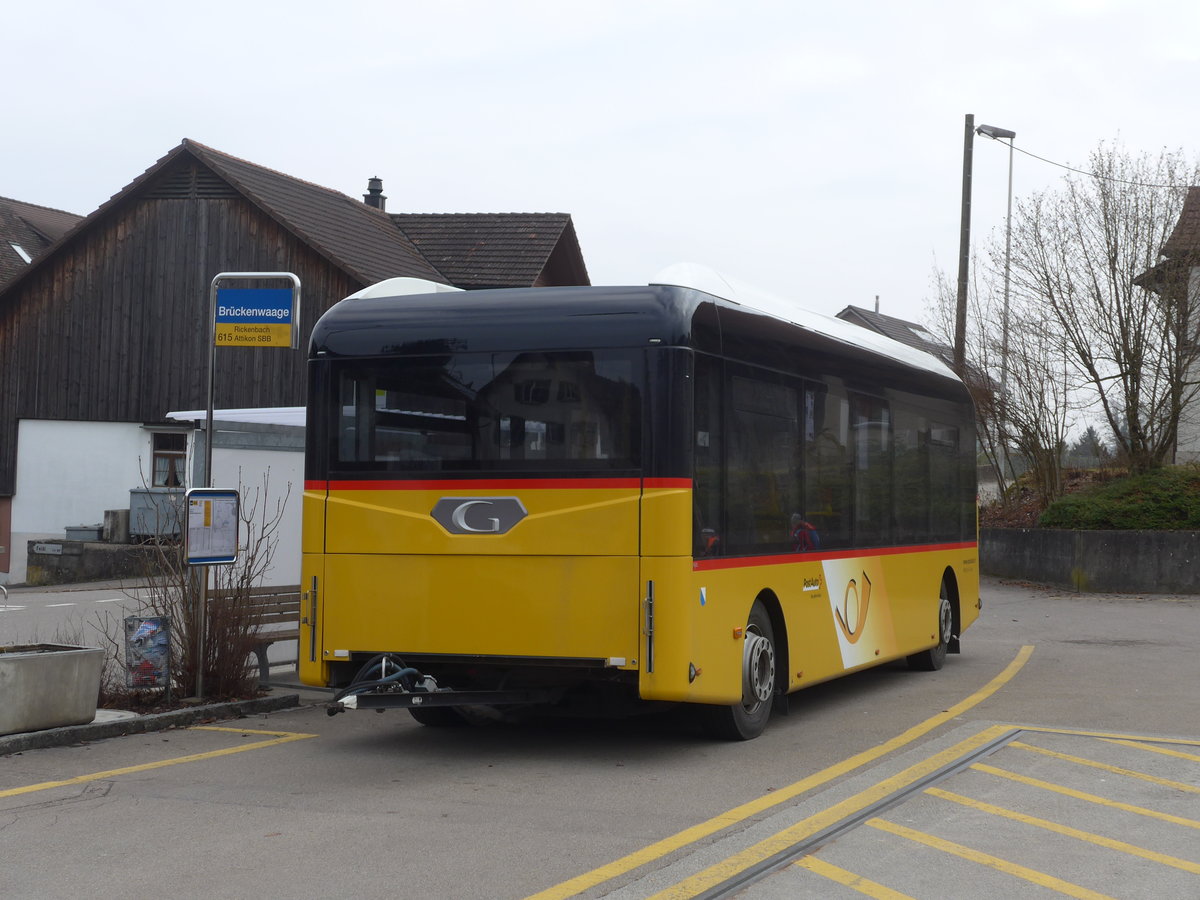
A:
{"x": 964, "y": 252}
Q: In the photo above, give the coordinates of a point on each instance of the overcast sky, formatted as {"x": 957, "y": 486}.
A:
{"x": 813, "y": 150}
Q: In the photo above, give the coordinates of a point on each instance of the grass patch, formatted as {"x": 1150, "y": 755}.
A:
{"x": 1166, "y": 499}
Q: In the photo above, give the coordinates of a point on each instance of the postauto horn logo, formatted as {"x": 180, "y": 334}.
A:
{"x": 478, "y": 515}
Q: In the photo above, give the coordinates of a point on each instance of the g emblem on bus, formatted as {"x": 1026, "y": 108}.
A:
{"x": 478, "y": 515}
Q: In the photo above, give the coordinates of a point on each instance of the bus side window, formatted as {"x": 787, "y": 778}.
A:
{"x": 709, "y": 476}
{"x": 871, "y": 424}
{"x": 911, "y": 472}
{"x": 827, "y": 474}
{"x": 944, "y": 471}
{"x": 763, "y": 482}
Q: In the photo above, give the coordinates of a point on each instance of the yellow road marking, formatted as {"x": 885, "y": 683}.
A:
{"x": 1116, "y": 770}
{"x": 240, "y": 730}
{"x": 738, "y": 814}
{"x": 986, "y": 859}
{"x": 281, "y": 737}
{"x": 794, "y": 834}
{"x": 1111, "y": 736}
{"x": 1090, "y": 798}
{"x": 1165, "y": 751}
{"x": 1068, "y": 831}
{"x": 850, "y": 880}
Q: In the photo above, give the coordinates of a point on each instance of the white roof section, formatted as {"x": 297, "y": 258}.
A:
{"x": 702, "y": 278}
{"x": 277, "y": 415}
{"x": 396, "y": 287}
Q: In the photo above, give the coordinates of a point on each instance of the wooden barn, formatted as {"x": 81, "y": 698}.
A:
{"x": 107, "y": 322}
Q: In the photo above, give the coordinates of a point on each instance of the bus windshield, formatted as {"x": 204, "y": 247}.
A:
{"x": 527, "y": 411}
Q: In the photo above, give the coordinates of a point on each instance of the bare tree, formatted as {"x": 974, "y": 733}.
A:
{"x": 230, "y": 625}
{"x": 1078, "y": 253}
{"x": 984, "y": 340}
{"x": 1024, "y": 386}
{"x": 1038, "y": 407}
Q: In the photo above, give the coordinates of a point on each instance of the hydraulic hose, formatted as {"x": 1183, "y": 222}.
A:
{"x": 408, "y": 677}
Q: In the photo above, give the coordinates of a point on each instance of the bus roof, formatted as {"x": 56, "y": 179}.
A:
{"x": 704, "y": 279}
{"x": 595, "y": 317}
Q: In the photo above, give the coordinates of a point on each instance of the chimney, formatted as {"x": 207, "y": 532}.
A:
{"x": 374, "y": 195}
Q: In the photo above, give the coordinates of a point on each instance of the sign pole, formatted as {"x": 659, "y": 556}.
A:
{"x": 200, "y": 629}
{"x": 258, "y": 324}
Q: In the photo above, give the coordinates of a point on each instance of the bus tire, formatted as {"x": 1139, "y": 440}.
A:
{"x": 935, "y": 657}
{"x": 437, "y": 716}
{"x": 747, "y": 720}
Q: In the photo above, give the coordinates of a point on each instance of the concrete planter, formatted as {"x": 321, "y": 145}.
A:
{"x": 48, "y": 686}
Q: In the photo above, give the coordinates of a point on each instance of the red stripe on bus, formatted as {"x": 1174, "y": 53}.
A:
{"x": 498, "y": 484}
{"x": 742, "y": 562}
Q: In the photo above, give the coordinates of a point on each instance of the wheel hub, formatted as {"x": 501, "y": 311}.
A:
{"x": 758, "y": 669}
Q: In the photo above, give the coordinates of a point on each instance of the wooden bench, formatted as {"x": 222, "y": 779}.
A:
{"x": 277, "y": 612}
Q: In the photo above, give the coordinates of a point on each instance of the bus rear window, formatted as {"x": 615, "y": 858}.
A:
{"x": 528, "y": 411}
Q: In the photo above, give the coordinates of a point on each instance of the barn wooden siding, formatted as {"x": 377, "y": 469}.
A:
{"x": 116, "y": 326}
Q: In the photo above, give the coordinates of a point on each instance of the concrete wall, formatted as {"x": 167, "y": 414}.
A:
{"x": 1163, "y": 562}
{"x": 72, "y": 562}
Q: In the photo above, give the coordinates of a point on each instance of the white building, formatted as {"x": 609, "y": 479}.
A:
{"x": 111, "y": 466}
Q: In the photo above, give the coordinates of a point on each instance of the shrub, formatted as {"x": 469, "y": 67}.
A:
{"x": 229, "y": 623}
{"x": 1166, "y": 499}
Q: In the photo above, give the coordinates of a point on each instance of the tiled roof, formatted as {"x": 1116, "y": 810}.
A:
{"x": 51, "y": 224}
{"x": 354, "y": 236}
{"x": 32, "y": 228}
{"x": 469, "y": 250}
{"x": 898, "y": 330}
{"x": 1185, "y": 238}
{"x": 475, "y": 250}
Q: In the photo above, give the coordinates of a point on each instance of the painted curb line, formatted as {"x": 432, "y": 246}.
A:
{"x": 94, "y": 731}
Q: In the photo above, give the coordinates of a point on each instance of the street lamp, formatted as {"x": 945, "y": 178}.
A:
{"x": 996, "y": 134}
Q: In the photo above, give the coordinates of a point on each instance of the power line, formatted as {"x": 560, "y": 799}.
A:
{"x": 1093, "y": 174}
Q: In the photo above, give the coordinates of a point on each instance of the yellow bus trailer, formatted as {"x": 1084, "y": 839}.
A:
{"x": 583, "y": 497}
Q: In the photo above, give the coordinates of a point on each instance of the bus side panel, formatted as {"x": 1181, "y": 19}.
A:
{"x": 878, "y": 608}
{"x": 693, "y": 651}
{"x": 312, "y": 526}
{"x": 666, "y": 521}
{"x": 913, "y": 584}
{"x": 840, "y": 613}
{"x": 312, "y": 576}
{"x": 313, "y": 665}
{"x": 695, "y": 654}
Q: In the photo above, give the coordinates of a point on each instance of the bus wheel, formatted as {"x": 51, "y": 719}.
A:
{"x": 437, "y": 716}
{"x": 747, "y": 720}
{"x": 935, "y": 657}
